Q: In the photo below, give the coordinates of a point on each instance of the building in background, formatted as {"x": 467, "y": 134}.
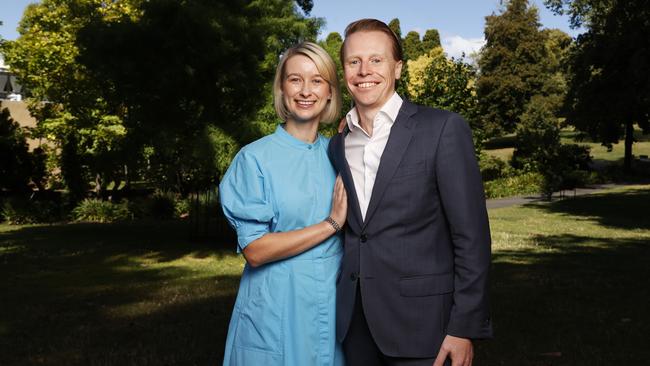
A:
{"x": 10, "y": 88}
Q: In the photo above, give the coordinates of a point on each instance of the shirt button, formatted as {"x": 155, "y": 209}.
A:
{"x": 309, "y": 147}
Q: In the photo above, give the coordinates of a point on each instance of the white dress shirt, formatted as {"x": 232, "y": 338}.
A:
{"x": 363, "y": 152}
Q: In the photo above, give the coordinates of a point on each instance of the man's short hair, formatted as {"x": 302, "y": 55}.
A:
{"x": 369, "y": 25}
{"x": 327, "y": 69}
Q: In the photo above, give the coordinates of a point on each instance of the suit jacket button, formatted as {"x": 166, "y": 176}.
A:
{"x": 363, "y": 238}
{"x": 353, "y": 276}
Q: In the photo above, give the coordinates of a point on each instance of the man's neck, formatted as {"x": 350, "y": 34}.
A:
{"x": 367, "y": 118}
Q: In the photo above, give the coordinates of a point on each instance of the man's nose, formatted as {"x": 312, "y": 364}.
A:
{"x": 363, "y": 68}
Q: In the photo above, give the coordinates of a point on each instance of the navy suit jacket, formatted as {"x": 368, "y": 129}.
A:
{"x": 422, "y": 254}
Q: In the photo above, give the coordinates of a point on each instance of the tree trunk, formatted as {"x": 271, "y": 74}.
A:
{"x": 629, "y": 140}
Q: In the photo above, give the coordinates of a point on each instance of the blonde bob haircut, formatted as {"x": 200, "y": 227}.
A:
{"x": 327, "y": 70}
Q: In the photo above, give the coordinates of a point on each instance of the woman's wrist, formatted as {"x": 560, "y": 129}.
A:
{"x": 333, "y": 223}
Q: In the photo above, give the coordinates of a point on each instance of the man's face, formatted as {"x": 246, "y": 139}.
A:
{"x": 370, "y": 68}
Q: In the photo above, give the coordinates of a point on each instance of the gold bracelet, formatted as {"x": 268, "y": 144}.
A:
{"x": 334, "y": 224}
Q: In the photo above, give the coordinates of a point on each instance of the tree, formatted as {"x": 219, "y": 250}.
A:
{"x": 431, "y": 40}
{"x": 139, "y": 89}
{"x": 15, "y": 165}
{"x": 412, "y": 46}
{"x": 284, "y": 27}
{"x": 438, "y": 82}
{"x": 332, "y": 45}
{"x": 394, "y": 25}
{"x": 511, "y": 66}
{"x": 66, "y": 100}
{"x": 609, "y": 89}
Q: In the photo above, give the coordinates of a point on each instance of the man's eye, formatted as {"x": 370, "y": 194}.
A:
{"x": 375, "y": 60}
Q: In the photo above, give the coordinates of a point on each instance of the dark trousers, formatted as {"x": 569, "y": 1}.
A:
{"x": 361, "y": 350}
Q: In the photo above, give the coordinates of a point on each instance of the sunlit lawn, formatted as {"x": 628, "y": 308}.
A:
{"x": 504, "y": 147}
{"x": 569, "y": 287}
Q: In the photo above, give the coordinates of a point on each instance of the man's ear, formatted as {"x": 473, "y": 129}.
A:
{"x": 398, "y": 69}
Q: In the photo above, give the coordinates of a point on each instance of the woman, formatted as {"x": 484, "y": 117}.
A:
{"x": 277, "y": 194}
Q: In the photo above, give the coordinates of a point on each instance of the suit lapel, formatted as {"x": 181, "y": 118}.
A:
{"x": 400, "y": 136}
{"x": 344, "y": 169}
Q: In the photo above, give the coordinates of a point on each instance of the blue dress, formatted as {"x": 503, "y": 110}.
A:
{"x": 285, "y": 310}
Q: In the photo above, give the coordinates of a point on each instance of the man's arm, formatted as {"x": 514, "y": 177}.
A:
{"x": 463, "y": 200}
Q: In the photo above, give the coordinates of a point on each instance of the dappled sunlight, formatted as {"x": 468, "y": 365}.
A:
{"x": 98, "y": 290}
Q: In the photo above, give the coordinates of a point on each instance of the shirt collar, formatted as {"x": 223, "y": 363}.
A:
{"x": 390, "y": 110}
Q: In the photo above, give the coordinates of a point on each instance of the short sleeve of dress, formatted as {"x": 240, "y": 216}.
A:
{"x": 245, "y": 201}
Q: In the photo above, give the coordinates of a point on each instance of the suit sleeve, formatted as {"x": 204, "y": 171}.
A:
{"x": 463, "y": 202}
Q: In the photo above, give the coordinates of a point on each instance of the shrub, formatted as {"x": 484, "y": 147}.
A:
{"x": 182, "y": 208}
{"x": 95, "y": 210}
{"x": 20, "y": 211}
{"x": 492, "y": 167}
{"x": 523, "y": 184}
{"x": 162, "y": 205}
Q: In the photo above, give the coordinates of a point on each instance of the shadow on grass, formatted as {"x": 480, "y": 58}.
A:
{"x": 501, "y": 142}
{"x": 580, "y": 300}
{"x": 86, "y": 294}
{"x": 624, "y": 210}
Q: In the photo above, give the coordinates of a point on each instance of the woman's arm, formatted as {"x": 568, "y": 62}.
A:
{"x": 275, "y": 246}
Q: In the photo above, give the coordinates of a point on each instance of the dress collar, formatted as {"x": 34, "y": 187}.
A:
{"x": 288, "y": 139}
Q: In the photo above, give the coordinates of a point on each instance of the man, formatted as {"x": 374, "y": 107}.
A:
{"x": 413, "y": 283}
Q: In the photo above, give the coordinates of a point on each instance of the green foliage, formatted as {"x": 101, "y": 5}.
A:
{"x": 522, "y": 184}
{"x": 161, "y": 91}
{"x": 537, "y": 137}
{"x": 402, "y": 84}
{"x": 16, "y": 162}
{"x": 162, "y": 205}
{"x": 45, "y": 59}
{"x": 20, "y": 210}
{"x": 282, "y": 27}
{"x": 412, "y": 46}
{"x": 394, "y": 25}
{"x": 511, "y": 65}
{"x": 492, "y": 167}
{"x": 96, "y": 210}
{"x": 431, "y": 40}
{"x": 332, "y": 45}
{"x": 539, "y": 149}
{"x": 609, "y": 90}
{"x": 438, "y": 82}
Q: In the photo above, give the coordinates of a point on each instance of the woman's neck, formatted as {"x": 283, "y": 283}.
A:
{"x": 303, "y": 131}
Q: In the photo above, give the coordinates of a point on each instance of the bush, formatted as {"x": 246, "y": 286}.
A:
{"x": 492, "y": 167}
{"x": 162, "y": 205}
{"x": 523, "y": 184}
{"x": 182, "y": 208}
{"x": 20, "y": 211}
{"x": 95, "y": 210}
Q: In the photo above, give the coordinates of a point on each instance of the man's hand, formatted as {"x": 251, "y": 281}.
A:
{"x": 459, "y": 350}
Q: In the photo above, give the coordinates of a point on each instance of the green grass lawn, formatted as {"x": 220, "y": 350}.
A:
{"x": 569, "y": 287}
{"x": 503, "y": 147}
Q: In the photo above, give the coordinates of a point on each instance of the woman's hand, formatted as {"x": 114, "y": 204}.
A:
{"x": 342, "y": 124}
{"x": 339, "y": 202}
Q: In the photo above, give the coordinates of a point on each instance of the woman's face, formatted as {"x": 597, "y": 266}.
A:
{"x": 304, "y": 90}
